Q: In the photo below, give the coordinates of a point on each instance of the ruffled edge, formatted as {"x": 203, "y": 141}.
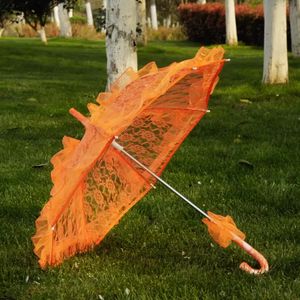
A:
{"x": 62, "y": 158}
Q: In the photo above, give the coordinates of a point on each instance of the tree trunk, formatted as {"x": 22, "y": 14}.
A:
{"x": 89, "y": 14}
{"x": 168, "y": 21}
{"x": 104, "y": 4}
{"x": 56, "y": 16}
{"x": 22, "y": 19}
{"x": 153, "y": 15}
{"x": 1, "y": 32}
{"x": 71, "y": 13}
{"x": 275, "y": 42}
{"x": 42, "y": 34}
{"x": 141, "y": 22}
{"x": 120, "y": 38}
{"x": 231, "y": 32}
{"x": 201, "y": 1}
{"x": 65, "y": 25}
{"x": 295, "y": 26}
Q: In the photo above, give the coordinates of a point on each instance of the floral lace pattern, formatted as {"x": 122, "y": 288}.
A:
{"x": 151, "y": 111}
{"x": 162, "y": 126}
{"x": 111, "y": 188}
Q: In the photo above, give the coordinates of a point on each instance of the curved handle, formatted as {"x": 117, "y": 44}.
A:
{"x": 264, "y": 266}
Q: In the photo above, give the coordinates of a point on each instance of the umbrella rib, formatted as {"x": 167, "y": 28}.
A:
{"x": 121, "y": 149}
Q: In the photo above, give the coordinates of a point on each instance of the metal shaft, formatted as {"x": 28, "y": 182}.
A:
{"x": 120, "y": 148}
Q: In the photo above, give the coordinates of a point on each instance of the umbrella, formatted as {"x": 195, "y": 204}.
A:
{"x": 129, "y": 139}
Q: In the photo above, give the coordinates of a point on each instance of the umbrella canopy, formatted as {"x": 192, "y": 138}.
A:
{"x": 94, "y": 184}
{"x": 151, "y": 111}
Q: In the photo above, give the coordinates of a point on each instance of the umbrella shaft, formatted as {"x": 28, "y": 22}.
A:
{"x": 120, "y": 148}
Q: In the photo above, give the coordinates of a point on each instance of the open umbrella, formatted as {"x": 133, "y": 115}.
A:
{"x": 129, "y": 139}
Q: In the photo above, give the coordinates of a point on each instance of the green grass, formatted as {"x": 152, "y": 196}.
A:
{"x": 160, "y": 249}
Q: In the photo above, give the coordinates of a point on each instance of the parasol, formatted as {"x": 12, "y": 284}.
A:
{"x": 129, "y": 139}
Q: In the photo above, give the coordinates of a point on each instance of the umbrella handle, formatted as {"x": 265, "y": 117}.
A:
{"x": 264, "y": 266}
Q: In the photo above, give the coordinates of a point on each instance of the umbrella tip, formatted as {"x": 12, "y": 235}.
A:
{"x": 78, "y": 116}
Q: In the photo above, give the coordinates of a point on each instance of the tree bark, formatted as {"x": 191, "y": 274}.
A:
{"x": 231, "y": 32}
{"x": 89, "y": 14}
{"x": 295, "y": 26}
{"x": 275, "y": 42}
{"x": 104, "y": 5}
{"x": 153, "y": 15}
{"x": 42, "y": 34}
{"x": 120, "y": 38}
{"x": 56, "y": 16}
{"x": 141, "y": 22}
{"x": 65, "y": 25}
{"x": 1, "y": 32}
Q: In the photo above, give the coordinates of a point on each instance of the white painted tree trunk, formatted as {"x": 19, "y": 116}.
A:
{"x": 201, "y": 1}
{"x": 71, "y": 13}
{"x": 120, "y": 38}
{"x": 295, "y": 26}
{"x": 168, "y": 21}
{"x": 141, "y": 22}
{"x": 65, "y": 25}
{"x": 56, "y": 16}
{"x": 22, "y": 19}
{"x": 275, "y": 42}
{"x": 231, "y": 31}
{"x": 89, "y": 14}
{"x": 153, "y": 15}
{"x": 42, "y": 34}
{"x": 104, "y": 4}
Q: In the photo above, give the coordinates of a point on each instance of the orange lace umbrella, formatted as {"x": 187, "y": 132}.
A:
{"x": 98, "y": 179}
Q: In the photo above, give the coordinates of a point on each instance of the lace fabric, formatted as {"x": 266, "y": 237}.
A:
{"x": 94, "y": 185}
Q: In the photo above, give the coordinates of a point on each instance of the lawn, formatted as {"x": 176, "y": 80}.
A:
{"x": 160, "y": 249}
